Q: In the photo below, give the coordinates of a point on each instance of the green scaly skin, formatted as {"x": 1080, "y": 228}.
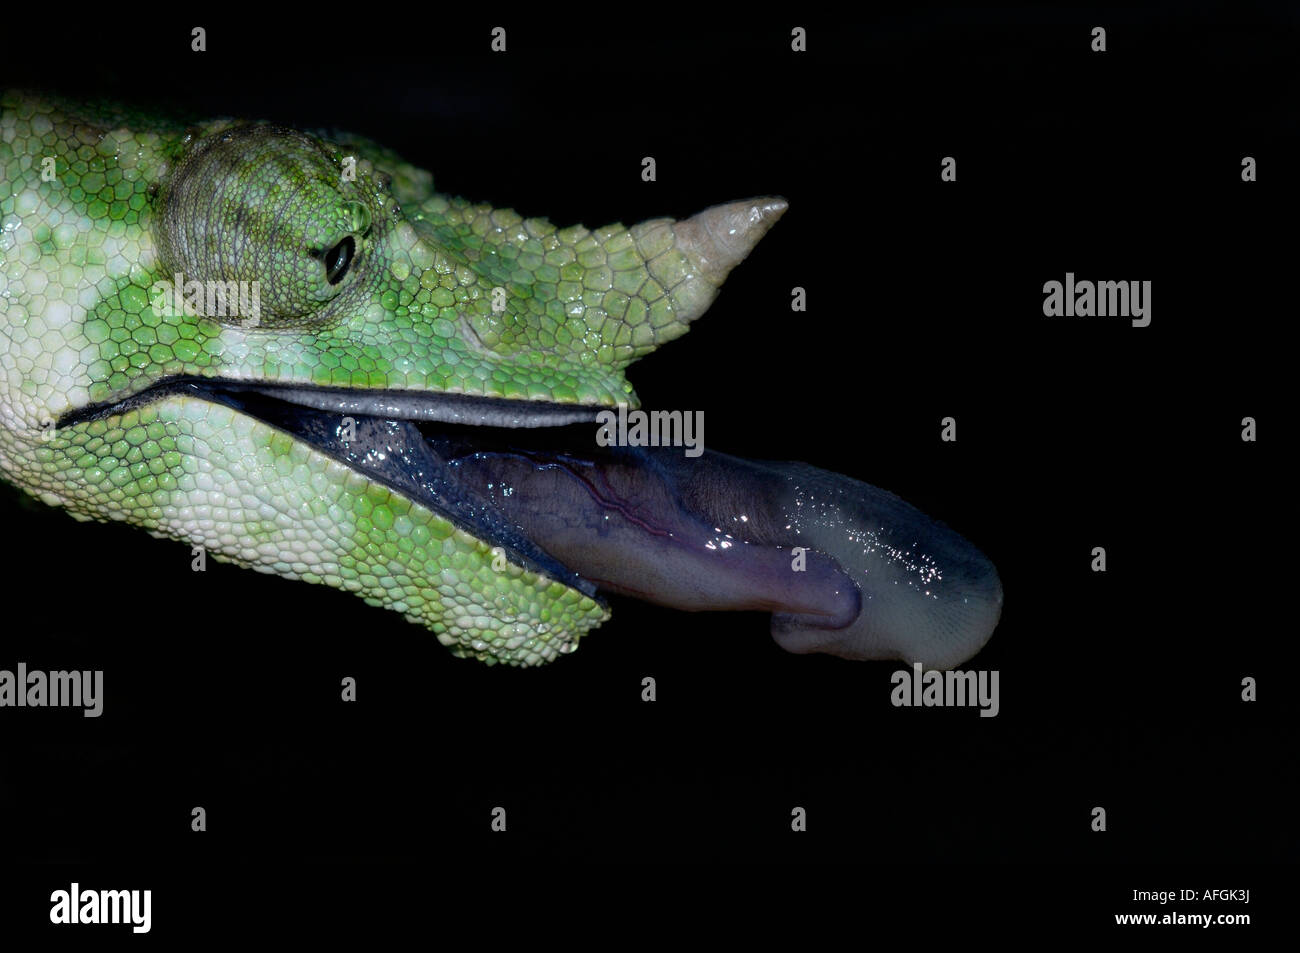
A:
{"x": 80, "y": 326}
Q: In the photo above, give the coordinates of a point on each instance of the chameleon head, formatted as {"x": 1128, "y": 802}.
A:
{"x": 274, "y": 344}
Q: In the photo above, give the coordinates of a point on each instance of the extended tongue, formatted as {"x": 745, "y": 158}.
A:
{"x": 876, "y": 578}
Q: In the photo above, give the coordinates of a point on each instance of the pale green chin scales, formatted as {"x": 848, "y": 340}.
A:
{"x": 250, "y": 494}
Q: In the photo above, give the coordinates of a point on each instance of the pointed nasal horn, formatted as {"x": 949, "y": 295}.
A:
{"x": 664, "y": 273}
{"x": 719, "y": 238}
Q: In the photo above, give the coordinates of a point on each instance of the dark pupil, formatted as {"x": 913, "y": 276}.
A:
{"x": 338, "y": 259}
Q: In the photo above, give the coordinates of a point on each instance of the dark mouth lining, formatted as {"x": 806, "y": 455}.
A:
{"x": 397, "y": 450}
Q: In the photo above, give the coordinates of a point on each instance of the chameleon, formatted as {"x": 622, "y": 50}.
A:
{"x": 285, "y": 347}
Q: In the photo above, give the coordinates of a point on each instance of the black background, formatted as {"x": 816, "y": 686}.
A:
{"x": 924, "y": 300}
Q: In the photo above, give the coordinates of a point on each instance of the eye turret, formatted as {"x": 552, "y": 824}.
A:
{"x": 265, "y": 204}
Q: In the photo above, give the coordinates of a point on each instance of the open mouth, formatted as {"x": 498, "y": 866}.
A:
{"x": 843, "y": 567}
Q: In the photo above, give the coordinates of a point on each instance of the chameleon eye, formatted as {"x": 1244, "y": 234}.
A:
{"x": 338, "y": 259}
{"x": 261, "y": 203}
